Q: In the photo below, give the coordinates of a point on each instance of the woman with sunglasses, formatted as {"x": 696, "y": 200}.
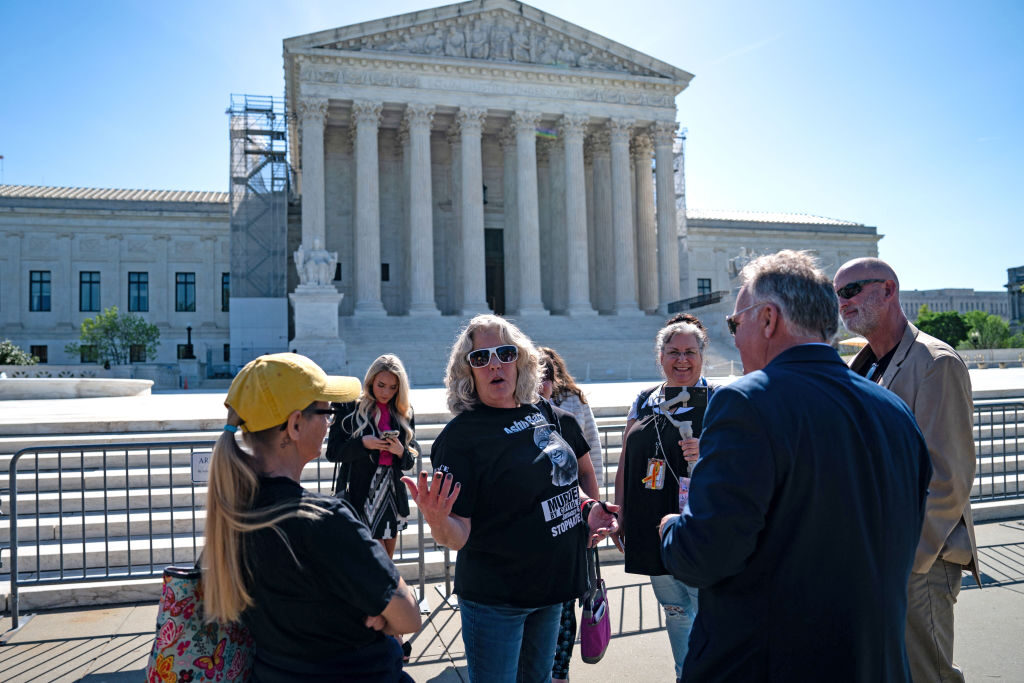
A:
{"x": 505, "y": 494}
{"x": 654, "y": 466}
{"x": 373, "y": 441}
{"x": 317, "y": 592}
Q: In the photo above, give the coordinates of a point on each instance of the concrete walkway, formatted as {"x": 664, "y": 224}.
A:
{"x": 113, "y": 643}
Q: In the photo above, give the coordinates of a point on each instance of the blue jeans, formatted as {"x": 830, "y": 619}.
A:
{"x": 509, "y": 644}
{"x": 680, "y": 604}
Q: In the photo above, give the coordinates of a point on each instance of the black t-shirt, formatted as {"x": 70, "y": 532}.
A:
{"x": 520, "y": 490}
{"x": 311, "y": 606}
{"x": 646, "y": 502}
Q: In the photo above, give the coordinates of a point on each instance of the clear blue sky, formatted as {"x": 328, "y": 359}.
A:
{"x": 901, "y": 114}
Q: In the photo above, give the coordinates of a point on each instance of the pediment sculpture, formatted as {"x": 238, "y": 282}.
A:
{"x": 495, "y": 36}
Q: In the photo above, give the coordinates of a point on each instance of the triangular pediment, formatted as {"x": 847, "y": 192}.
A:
{"x": 495, "y": 31}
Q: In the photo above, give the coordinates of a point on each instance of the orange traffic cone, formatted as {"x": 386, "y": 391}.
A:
{"x": 186, "y": 384}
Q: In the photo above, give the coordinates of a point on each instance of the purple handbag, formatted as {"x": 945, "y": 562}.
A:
{"x": 595, "y": 626}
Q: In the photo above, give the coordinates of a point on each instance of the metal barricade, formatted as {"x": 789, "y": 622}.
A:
{"x": 94, "y": 513}
{"x": 999, "y": 449}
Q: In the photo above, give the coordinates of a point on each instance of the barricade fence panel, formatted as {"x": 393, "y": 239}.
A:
{"x": 104, "y": 513}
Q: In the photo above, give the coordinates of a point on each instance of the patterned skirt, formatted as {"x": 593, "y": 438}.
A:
{"x": 381, "y": 507}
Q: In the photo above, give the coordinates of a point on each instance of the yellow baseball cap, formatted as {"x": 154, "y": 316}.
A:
{"x": 270, "y": 388}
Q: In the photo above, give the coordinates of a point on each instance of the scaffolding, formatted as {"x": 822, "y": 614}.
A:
{"x": 260, "y": 181}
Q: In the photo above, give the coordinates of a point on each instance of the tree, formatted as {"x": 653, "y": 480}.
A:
{"x": 949, "y": 326}
{"x": 12, "y": 354}
{"x": 986, "y": 331}
{"x": 111, "y": 335}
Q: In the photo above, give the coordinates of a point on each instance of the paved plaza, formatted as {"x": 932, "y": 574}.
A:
{"x": 112, "y": 643}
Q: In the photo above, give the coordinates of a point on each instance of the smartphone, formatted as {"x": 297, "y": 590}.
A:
{"x": 389, "y": 434}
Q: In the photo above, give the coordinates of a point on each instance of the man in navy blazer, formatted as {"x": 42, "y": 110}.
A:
{"x": 806, "y": 505}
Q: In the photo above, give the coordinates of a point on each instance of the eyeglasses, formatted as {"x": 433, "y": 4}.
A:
{"x": 854, "y": 288}
{"x": 479, "y": 358}
{"x": 732, "y": 320}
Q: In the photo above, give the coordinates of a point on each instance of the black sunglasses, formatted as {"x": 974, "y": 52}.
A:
{"x": 479, "y": 358}
{"x": 854, "y": 288}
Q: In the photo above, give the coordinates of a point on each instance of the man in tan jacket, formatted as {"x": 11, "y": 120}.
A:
{"x": 933, "y": 381}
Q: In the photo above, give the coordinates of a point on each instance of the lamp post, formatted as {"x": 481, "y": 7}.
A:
{"x": 188, "y": 343}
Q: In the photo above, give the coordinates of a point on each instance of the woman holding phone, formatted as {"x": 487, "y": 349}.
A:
{"x": 373, "y": 440}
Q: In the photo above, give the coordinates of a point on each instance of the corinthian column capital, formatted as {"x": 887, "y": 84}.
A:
{"x": 619, "y": 128}
{"x": 664, "y": 132}
{"x": 313, "y": 109}
{"x": 417, "y": 115}
{"x": 641, "y": 146}
{"x": 471, "y": 120}
{"x": 523, "y": 121}
{"x": 364, "y": 112}
{"x": 573, "y": 126}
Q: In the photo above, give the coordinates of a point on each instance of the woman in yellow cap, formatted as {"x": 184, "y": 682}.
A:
{"x": 318, "y": 593}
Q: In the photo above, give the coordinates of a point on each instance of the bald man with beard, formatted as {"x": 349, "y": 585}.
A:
{"x": 933, "y": 381}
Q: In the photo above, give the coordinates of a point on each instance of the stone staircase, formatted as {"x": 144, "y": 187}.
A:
{"x": 129, "y": 510}
{"x": 597, "y": 348}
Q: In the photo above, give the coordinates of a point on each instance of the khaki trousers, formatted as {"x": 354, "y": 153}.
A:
{"x": 930, "y": 600}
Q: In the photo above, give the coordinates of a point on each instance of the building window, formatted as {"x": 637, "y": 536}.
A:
{"x": 138, "y": 292}
{"x": 89, "y": 291}
{"x": 39, "y": 290}
{"x": 40, "y": 352}
{"x": 385, "y": 272}
{"x": 227, "y": 353}
{"x": 137, "y": 353}
{"x": 87, "y": 354}
{"x": 703, "y": 286}
{"x": 225, "y": 291}
{"x": 185, "y": 292}
{"x": 183, "y": 351}
{"x": 337, "y": 272}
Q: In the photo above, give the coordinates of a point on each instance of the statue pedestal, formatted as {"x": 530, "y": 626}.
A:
{"x": 316, "y": 326}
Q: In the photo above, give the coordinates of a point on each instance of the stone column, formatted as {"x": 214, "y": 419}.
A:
{"x": 646, "y": 244}
{"x": 604, "y": 254}
{"x": 525, "y": 125}
{"x": 555, "y": 274}
{"x": 312, "y": 114}
{"x": 315, "y": 300}
{"x": 510, "y": 235}
{"x": 366, "y": 119}
{"x": 420, "y": 209}
{"x": 547, "y": 239}
{"x": 206, "y": 311}
{"x": 588, "y": 179}
{"x": 161, "y": 285}
{"x": 622, "y": 218}
{"x": 577, "y": 257}
{"x": 668, "y": 236}
{"x": 470, "y": 122}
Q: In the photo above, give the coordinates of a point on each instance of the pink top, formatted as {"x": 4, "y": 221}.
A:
{"x": 383, "y": 425}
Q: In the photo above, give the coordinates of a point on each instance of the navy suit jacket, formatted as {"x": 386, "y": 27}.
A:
{"x": 805, "y": 509}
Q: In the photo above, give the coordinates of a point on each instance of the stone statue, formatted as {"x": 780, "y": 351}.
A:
{"x": 547, "y": 52}
{"x": 434, "y": 45}
{"x": 315, "y": 267}
{"x": 501, "y": 42}
{"x": 521, "y": 45}
{"x": 477, "y": 45}
{"x": 455, "y": 44}
{"x": 737, "y": 262}
{"x": 565, "y": 56}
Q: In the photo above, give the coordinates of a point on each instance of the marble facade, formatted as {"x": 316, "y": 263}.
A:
{"x": 485, "y": 156}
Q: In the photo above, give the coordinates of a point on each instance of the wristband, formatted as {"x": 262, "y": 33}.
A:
{"x": 586, "y": 506}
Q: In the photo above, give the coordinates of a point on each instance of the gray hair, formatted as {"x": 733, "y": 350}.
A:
{"x": 458, "y": 377}
{"x": 666, "y": 334}
{"x": 803, "y": 293}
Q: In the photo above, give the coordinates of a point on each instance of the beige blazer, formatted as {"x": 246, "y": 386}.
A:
{"x": 932, "y": 379}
